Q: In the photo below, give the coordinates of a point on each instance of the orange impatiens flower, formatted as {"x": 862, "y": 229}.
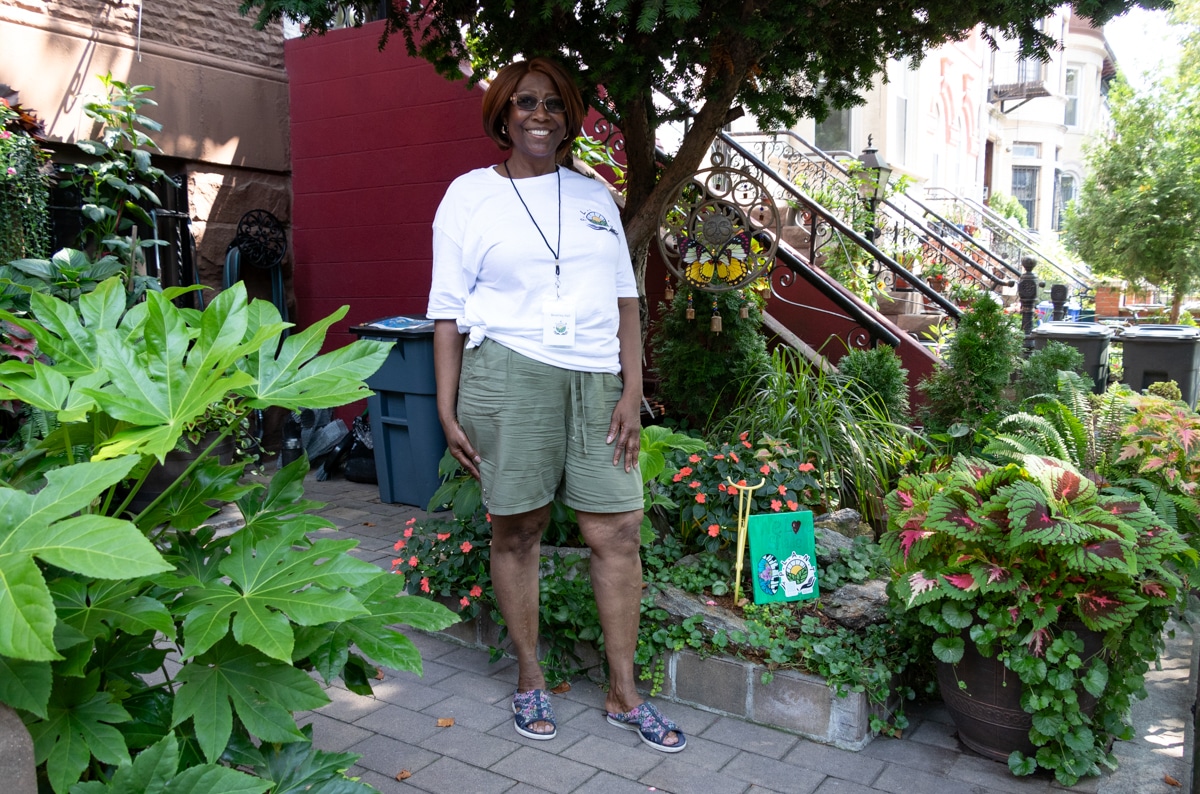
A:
{"x": 694, "y": 458}
{"x": 714, "y": 530}
{"x": 413, "y": 562}
{"x": 694, "y": 484}
{"x": 806, "y": 467}
{"x": 399, "y": 545}
{"x": 476, "y": 591}
{"x": 793, "y": 506}
{"x": 466, "y": 602}
{"x": 443, "y": 536}
{"x": 425, "y": 585}
{"x": 776, "y": 505}
{"x": 466, "y": 546}
{"x": 701, "y": 498}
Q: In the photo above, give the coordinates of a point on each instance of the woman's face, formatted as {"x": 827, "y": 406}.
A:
{"x": 535, "y": 134}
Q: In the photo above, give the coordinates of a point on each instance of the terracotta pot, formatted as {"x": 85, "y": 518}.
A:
{"x": 986, "y": 707}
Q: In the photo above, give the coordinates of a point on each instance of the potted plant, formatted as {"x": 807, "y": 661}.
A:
{"x": 1061, "y": 588}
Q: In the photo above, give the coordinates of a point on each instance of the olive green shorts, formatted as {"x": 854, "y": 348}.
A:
{"x": 540, "y": 431}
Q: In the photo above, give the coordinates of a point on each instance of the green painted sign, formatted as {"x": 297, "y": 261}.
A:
{"x": 783, "y": 557}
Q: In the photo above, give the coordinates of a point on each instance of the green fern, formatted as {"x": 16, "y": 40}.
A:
{"x": 1028, "y": 434}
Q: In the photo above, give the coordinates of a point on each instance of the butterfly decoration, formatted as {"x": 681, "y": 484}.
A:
{"x": 728, "y": 263}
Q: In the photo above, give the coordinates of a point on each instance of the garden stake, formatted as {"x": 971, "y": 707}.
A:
{"x": 744, "y": 494}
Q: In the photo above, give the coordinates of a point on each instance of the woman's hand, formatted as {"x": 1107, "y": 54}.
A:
{"x": 461, "y": 448}
{"x": 625, "y": 431}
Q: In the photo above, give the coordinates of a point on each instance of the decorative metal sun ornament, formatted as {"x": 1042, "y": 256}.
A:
{"x": 719, "y": 230}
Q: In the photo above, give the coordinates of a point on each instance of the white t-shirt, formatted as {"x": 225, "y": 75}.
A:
{"x": 492, "y": 272}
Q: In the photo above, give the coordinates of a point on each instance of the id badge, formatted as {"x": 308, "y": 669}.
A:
{"x": 558, "y": 323}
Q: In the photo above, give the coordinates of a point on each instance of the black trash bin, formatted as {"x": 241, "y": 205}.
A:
{"x": 1155, "y": 353}
{"x": 405, "y": 430}
{"x": 1090, "y": 339}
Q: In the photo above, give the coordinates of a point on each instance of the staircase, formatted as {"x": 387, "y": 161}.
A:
{"x": 1013, "y": 243}
{"x": 829, "y": 240}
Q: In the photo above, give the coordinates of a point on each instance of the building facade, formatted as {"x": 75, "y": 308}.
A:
{"x": 220, "y": 86}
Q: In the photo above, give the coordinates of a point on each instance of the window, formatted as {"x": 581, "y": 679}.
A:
{"x": 1071, "y": 91}
{"x": 1024, "y": 190}
{"x": 1026, "y": 149}
{"x": 833, "y": 134}
{"x": 1066, "y": 194}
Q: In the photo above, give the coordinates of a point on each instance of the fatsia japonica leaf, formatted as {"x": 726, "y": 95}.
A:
{"x": 373, "y": 634}
{"x": 299, "y": 767}
{"x": 45, "y": 525}
{"x": 272, "y": 582}
{"x": 78, "y": 726}
{"x": 156, "y": 769}
{"x": 98, "y": 608}
{"x": 190, "y": 504}
{"x": 281, "y": 504}
{"x": 25, "y": 685}
{"x": 159, "y": 382}
{"x": 262, "y": 691}
{"x": 300, "y": 377}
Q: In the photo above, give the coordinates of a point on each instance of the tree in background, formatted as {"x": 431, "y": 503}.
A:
{"x": 777, "y": 59}
{"x": 1136, "y": 213}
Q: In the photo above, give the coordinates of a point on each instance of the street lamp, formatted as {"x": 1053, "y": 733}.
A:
{"x": 872, "y": 184}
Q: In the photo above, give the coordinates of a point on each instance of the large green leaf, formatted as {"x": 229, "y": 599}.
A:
{"x": 300, "y": 768}
{"x": 76, "y": 728}
{"x": 262, "y": 691}
{"x": 36, "y": 525}
{"x": 97, "y": 608}
{"x": 190, "y": 504}
{"x": 281, "y": 504}
{"x": 300, "y": 378}
{"x": 25, "y": 685}
{"x": 154, "y": 772}
{"x": 269, "y": 582}
{"x": 373, "y": 634}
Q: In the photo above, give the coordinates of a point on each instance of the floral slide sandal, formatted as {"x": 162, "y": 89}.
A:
{"x": 651, "y": 725}
{"x": 533, "y": 707}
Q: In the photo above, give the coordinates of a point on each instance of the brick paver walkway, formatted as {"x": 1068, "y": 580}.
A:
{"x": 396, "y": 730}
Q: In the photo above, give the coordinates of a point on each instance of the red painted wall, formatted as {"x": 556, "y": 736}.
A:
{"x": 376, "y": 139}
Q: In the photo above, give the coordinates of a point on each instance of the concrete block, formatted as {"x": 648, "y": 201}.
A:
{"x": 795, "y": 702}
{"x": 715, "y": 682}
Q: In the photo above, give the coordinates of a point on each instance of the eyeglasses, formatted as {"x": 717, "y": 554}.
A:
{"x": 528, "y": 103}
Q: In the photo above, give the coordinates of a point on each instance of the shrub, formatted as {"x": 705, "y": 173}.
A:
{"x": 1039, "y": 373}
{"x": 877, "y": 374}
{"x": 700, "y": 370}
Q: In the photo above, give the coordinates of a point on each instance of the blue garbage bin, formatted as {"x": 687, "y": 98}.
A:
{"x": 405, "y": 429}
{"x": 1156, "y": 353}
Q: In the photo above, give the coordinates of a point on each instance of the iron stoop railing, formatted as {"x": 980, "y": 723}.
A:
{"x": 824, "y": 227}
{"x": 1012, "y": 242}
{"x": 905, "y": 228}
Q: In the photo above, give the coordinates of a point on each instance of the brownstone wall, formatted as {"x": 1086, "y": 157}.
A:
{"x": 209, "y": 26}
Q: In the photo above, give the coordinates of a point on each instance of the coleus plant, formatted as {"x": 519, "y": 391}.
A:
{"x": 146, "y": 651}
{"x": 1005, "y": 556}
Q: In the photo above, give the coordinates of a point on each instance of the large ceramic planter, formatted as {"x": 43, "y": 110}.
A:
{"x": 984, "y": 700}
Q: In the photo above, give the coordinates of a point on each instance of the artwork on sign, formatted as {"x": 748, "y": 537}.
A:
{"x": 783, "y": 554}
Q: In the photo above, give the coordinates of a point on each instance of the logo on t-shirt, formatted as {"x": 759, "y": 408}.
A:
{"x": 596, "y": 221}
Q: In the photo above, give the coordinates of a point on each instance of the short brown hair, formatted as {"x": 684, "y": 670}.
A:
{"x": 504, "y": 85}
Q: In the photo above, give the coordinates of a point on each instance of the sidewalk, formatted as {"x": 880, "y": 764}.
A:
{"x": 396, "y": 730}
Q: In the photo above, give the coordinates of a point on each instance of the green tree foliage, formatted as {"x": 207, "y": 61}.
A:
{"x": 1136, "y": 214}
{"x": 777, "y": 59}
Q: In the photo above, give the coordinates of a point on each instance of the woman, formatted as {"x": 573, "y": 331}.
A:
{"x": 537, "y": 351}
